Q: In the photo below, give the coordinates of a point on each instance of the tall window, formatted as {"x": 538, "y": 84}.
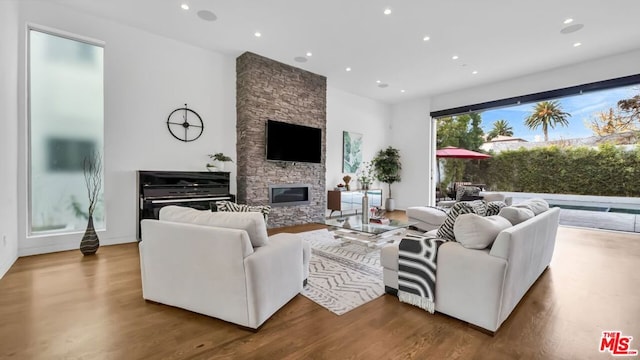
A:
{"x": 66, "y": 118}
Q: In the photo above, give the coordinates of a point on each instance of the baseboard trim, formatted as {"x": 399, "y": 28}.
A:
{"x": 479, "y": 328}
{"x": 390, "y": 290}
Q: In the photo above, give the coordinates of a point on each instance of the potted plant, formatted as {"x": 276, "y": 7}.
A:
{"x": 218, "y": 160}
{"x": 365, "y": 175}
{"x": 387, "y": 168}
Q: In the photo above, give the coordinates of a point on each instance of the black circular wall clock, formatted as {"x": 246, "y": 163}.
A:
{"x": 185, "y": 124}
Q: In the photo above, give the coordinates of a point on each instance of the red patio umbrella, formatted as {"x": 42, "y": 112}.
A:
{"x": 458, "y": 153}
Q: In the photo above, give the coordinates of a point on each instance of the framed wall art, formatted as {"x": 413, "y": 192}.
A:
{"x": 351, "y": 152}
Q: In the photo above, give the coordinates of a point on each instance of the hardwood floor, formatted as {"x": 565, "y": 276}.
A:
{"x": 66, "y": 306}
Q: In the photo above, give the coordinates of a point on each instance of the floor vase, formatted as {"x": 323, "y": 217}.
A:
{"x": 390, "y": 204}
{"x": 365, "y": 208}
{"x": 90, "y": 242}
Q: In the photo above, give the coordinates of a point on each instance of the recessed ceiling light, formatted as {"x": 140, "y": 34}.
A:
{"x": 185, "y": 6}
{"x": 455, "y": 57}
{"x": 257, "y": 34}
{"x": 402, "y": 90}
{"x": 568, "y": 21}
{"x": 474, "y": 72}
{"x": 206, "y": 15}
{"x": 378, "y": 81}
{"x": 309, "y": 53}
{"x": 347, "y": 69}
{"x": 571, "y": 28}
{"x": 387, "y": 11}
{"x": 577, "y": 44}
{"x": 426, "y": 38}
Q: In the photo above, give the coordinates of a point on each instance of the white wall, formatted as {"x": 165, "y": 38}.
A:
{"x": 405, "y": 126}
{"x": 587, "y": 72}
{"x": 412, "y": 135}
{"x": 8, "y": 138}
{"x": 349, "y": 112}
{"x": 146, "y": 77}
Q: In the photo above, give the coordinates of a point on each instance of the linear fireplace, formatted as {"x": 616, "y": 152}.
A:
{"x": 289, "y": 194}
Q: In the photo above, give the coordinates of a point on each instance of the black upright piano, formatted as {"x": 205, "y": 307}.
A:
{"x": 195, "y": 189}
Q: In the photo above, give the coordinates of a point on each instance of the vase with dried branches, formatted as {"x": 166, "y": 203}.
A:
{"x": 92, "y": 168}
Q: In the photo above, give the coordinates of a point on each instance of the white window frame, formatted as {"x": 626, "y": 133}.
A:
{"x": 27, "y": 91}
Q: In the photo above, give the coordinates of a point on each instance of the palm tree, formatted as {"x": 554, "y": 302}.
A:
{"x": 545, "y": 114}
{"x": 500, "y": 128}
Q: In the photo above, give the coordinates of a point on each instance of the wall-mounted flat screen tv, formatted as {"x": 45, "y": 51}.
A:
{"x": 291, "y": 142}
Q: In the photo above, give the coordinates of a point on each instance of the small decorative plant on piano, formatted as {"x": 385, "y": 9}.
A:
{"x": 218, "y": 160}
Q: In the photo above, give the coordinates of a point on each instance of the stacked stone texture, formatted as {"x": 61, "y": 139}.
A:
{"x": 269, "y": 90}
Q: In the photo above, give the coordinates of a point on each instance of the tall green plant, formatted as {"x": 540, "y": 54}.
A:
{"x": 500, "y": 128}
{"x": 631, "y": 107}
{"x": 387, "y": 166}
{"x": 463, "y": 131}
{"x": 547, "y": 114}
{"x": 454, "y": 170}
{"x": 607, "y": 171}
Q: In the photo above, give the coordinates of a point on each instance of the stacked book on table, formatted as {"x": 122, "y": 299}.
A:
{"x": 379, "y": 220}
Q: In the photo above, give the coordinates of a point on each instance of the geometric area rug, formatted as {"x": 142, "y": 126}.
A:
{"x": 341, "y": 276}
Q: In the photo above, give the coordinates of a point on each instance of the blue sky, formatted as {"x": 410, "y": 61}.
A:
{"x": 582, "y": 108}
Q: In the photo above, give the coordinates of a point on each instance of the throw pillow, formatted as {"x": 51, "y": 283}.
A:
{"x": 516, "y": 215}
{"x": 478, "y": 232}
{"x": 479, "y": 206}
{"x": 494, "y": 207}
{"x": 230, "y": 206}
{"x": 465, "y": 207}
{"x": 537, "y": 205}
{"x": 252, "y": 222}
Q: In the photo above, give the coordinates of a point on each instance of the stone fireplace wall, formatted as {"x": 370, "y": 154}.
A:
{"x": 267, "y": 89}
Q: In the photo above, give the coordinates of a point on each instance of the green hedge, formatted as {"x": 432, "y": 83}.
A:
{"x": 607, "y": 171}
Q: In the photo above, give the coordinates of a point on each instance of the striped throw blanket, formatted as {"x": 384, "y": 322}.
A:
{"x": 417, "y": 270}
{"x": 230, "y": 206}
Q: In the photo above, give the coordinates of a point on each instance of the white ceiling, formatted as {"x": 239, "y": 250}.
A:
{"x": 500, "y": 39}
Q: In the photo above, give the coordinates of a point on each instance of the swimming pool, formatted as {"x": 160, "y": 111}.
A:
{"x": 597, "y": 208}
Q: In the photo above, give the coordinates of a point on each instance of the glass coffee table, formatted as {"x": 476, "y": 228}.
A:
{"x": 350, "y": 229}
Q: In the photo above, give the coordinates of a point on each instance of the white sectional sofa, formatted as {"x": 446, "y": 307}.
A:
{"x": 220, "y": 264}
{"x": 482, "y": 287}
{"x": 427, "y": 218}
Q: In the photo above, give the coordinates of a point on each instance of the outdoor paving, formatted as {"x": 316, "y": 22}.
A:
{"x": 600, "y": 220}
{"x": 591, "y": 219}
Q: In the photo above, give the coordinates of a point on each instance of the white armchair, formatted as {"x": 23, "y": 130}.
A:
{"x": 217, "y": 271}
